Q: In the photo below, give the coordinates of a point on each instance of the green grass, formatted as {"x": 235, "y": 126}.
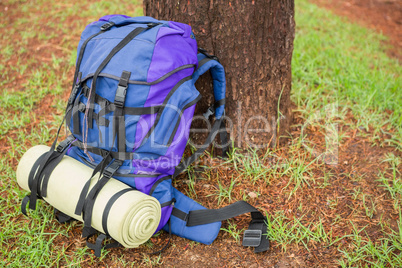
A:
{"x": 339, "y": 62}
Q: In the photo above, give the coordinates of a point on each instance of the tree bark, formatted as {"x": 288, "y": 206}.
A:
{"x": 254, "y": 42}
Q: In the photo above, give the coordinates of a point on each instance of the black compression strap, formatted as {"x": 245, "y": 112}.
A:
{"x": 255, "y": 235}
{"x": 183, "y": 165}
{"x": 76, "y": 117}
{"x": 167, "y": 243}
{"x": 34, "y": 169}
{"x": 219, "y": 103}
{"x": 24, "y": 204}
{"x": 205, "y": 216}
{"x": 97, "y": 247}
{"x": 90, "y": 200}
{"x": 119, "y": 122}
{"x": 179, "y": 214}
{"x": 109, "y": 205}
{"x": 81, "y": 55}
{"x": 100, "y": 120}
{"x": 99, "y": 168}
{"x": 49, "y": 170}
{"x": 61, "y": 217}
{"x": 225, "y": 143}
{"x": 131, "y": 110}
{"x": 116, "y": 155}
{"x": 116, "y": 49}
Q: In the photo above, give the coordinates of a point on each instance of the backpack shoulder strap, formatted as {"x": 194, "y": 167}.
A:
{"x": 208, "y": 62}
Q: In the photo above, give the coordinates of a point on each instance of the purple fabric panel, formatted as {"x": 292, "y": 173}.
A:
{"x": 166, "y": 164}
{"x": 180, "y": 139}
{"x": 188, "y": 34}
{"x": 144, "y": 124}
{"x": 166, "y": 212}
{"x": 144, "y": 184}
{"x": 171, "y": 51}
{"x": 158, "y": 92}
{"x": 156, "y": 96}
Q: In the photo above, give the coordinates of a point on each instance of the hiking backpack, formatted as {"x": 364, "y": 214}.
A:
{"x": 130, "y": 111}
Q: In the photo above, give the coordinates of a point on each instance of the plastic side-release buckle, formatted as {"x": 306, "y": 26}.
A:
{"x": 64, "y": 144}
{"x": 112, "y": 168}
{"x": 209, "y": 112}
{"x": 120, "y": 96}
{"x": 107, "y": 26}
{"x": 252, "y": 238}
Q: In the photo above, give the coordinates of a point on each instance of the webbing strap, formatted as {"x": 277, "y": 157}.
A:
{"x": 116, "y": 49}
{"x": 205, "y": 216}
{"x": 218, "y": 127}
{"x": 77, "y": 73}
{"x": 97, "y": 246}
{"x": 102, "y": 152}
{"x": 81, "y": 54}
{"x": 75, "y": 116}
{"x": 41, "y": 171}
{"x": 119, "y": 127}
{"x": 109, "y": 205}
{"x": 61, "y": 217}
{"x": 99, "y": 168}
{"x": 93, "y": 193}
{"x": 255, "y": 236}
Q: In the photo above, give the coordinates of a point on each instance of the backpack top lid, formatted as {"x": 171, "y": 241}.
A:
{"x": 167, "y": 46}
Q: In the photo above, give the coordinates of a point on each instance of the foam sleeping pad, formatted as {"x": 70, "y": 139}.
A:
{"x": 133, "y": 217}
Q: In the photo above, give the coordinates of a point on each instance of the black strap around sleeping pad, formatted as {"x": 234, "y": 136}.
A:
{"x": 98, "y": 245}
{"x": 89, "y": 202}
{"x": 254, "y": 236}
{"x": 43, "y": 167}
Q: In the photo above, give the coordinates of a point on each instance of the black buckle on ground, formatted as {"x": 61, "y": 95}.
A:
{"x": 252, "y": 238}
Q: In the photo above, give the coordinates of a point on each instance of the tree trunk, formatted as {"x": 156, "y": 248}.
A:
{"x": 254, "y": 42}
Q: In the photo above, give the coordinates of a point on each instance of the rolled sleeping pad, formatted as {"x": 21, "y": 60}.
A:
{"x": 133, "y": 217}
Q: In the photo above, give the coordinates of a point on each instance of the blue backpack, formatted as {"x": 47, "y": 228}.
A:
{"x": 130, "y": 111}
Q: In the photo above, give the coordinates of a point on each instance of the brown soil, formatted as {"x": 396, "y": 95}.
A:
{"x": 384, "y": 16}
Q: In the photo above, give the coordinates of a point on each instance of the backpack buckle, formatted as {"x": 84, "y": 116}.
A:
{"x": 107, "y": 26}
{"x": 252, "y": 238}
{"x": 120, "y": 96}
{"x": 73, "y": 94}
{"x": 64, "y": 144}
{"x": 209, "y": 112}
{"x": 112, "y": 168}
